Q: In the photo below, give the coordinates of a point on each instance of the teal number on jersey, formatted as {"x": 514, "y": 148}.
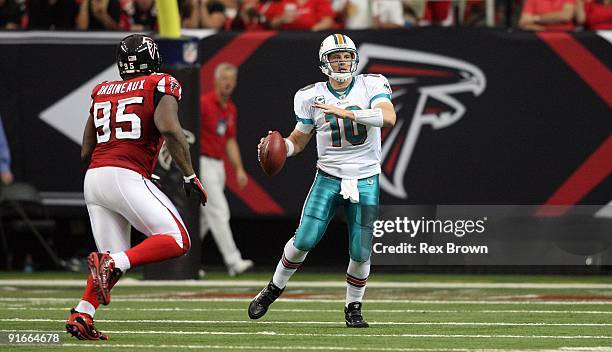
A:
{"x": 335, "y": 129}
{"x": 355, "y": 136}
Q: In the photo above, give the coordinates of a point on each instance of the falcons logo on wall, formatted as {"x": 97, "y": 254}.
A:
{"x": 425, "y": 89}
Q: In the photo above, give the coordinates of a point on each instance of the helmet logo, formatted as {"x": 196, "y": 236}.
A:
{"x": 151, "y": 46}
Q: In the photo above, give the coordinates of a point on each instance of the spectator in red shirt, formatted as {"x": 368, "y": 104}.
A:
{"x": 594, "y": 15}
{"x": 314, "y": 15}
{"x": 218, "y": 139}
{"x": 549, "y": 15}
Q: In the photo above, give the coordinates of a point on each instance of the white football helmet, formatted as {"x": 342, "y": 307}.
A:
{"x": 334, "y": 43}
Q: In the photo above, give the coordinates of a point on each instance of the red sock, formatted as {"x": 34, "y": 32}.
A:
{"x": 155, "y": 249}
{"x": 90, "y": 292}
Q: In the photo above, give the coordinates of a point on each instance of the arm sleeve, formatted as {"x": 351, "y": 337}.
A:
{"x": 302, "y": 107}
{"x": 5, "y": 153}
{"x": 378, "y": 89}
{"x": 168, "y": 85}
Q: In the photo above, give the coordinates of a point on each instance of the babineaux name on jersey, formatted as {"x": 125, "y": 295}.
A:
{"x": 117, "y": 88}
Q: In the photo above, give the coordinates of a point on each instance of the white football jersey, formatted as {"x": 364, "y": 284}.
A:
{"x": 345, "y": 148}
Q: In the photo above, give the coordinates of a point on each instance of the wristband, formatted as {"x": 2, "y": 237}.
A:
{"x": 189, "y": 178}
{"x": 290, "y": 147}
{"x": 370, "y": 117}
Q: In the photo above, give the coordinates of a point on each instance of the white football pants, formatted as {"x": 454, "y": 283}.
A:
{"x": 117, "y": 197}
{"x": 215, "y": 215}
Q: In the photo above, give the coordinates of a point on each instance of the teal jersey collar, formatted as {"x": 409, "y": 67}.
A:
{"x": 346, "y": 91}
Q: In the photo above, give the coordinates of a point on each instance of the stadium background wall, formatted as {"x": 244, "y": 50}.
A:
{"x": 535, "y": 112}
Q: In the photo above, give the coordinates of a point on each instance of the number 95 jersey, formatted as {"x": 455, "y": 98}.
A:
{"x": 123, "y": 117}
{"x": 345, "y": 148}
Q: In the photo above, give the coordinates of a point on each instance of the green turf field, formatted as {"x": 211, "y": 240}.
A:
{"x": 406, "y": 313}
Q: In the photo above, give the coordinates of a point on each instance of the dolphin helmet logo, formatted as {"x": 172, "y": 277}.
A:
{"x": 429, "y": 82}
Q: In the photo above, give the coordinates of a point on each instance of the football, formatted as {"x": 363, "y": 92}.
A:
{"x": 273, "y": 153}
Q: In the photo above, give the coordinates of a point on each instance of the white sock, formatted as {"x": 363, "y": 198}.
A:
{"x": 288, "y": 265}
{"x": 121, "y": 261}
{"x": 356, "y": 279}
{"x": 85, "y": 307}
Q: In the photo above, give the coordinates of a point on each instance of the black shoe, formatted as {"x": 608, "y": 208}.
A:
{"x": 353, "y": 317}
{"x": 259, "y": 305}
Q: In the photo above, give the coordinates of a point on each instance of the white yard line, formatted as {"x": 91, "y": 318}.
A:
{"x": 325, "y": 348}
{"x": 284, "y": 310}
{"x": 274, "y": 333}
{"x": 147, "y": 299}
{"x": 293, "y": 322}
{"x": 301, "y": 284}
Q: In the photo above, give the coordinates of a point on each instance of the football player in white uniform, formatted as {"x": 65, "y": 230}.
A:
{"x": 347, "y": 113}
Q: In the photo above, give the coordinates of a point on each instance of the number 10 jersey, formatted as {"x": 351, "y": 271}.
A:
{"x": 345, "y": 148}
{"x": 123, "y": 117}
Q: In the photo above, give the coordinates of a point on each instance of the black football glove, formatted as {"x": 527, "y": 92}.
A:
{"x": 193, "y": 185}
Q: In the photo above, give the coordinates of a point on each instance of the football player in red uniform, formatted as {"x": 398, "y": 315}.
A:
{"x": 128, "y": 120}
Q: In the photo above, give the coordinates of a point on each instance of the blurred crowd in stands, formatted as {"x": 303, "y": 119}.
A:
{"x": 313, "y": 15}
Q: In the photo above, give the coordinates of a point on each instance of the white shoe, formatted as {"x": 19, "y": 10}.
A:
{"x": 239, "y": 267}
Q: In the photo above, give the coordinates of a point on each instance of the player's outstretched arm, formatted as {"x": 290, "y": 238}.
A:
{"x": 167, "y": 123}
{"x": 89, "y": 139}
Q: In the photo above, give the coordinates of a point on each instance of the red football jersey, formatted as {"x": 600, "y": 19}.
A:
{"x": 123, "y": 117}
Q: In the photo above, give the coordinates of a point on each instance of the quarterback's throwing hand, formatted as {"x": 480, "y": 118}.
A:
{"x": 193, "y": 185}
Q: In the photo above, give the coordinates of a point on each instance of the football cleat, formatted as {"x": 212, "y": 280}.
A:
{"x": 353, "y": 317}
{"x": 259, "y": 305}
{"x": 81, "y": 326}
{"x": 104, "y": 274}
